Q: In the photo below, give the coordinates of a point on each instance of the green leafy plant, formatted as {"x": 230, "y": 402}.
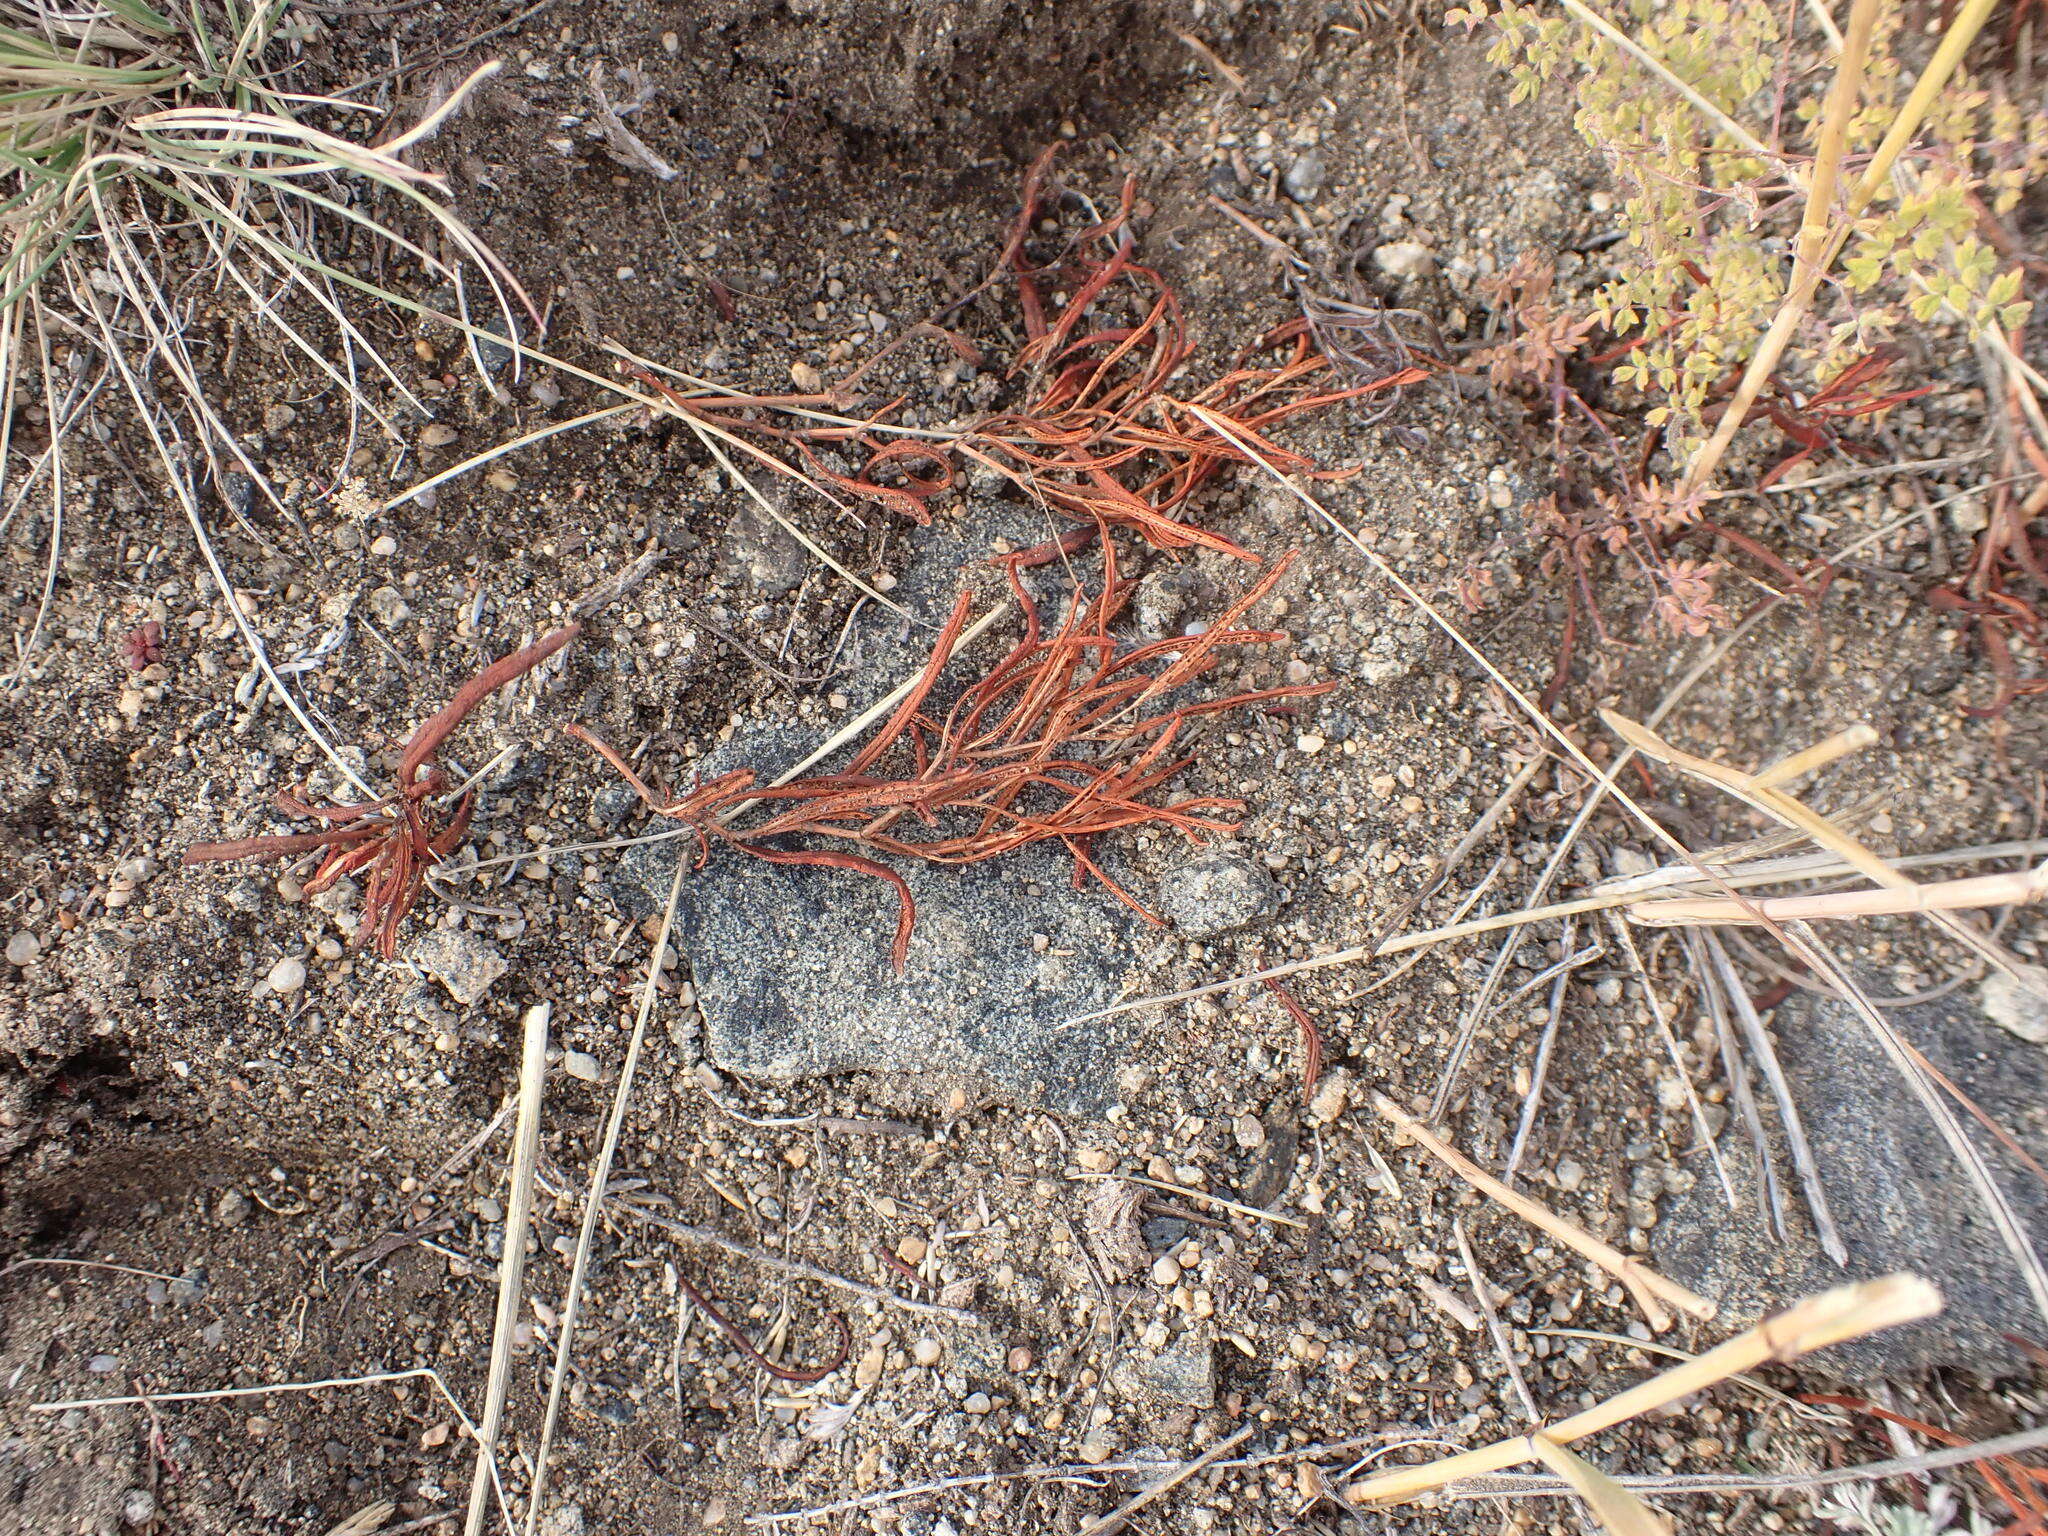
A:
{"x": 1665, "y": 91}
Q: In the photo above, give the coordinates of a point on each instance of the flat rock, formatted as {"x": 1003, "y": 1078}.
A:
{"x": 1184, "y": 1373}
{"x": 1215, "y": 893}
{"x": 792, "y": 971}
{"x": 791, "y": 964}
{"x": 463, "y": 962}
{"x": 1899, "y": 1197}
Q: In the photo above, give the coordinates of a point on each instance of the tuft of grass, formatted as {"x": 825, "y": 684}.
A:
{"x": 160, "y": 185}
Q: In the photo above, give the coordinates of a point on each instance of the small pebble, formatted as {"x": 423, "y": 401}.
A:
{"x": 1310, "y": 742}
{"x": 1166, "y": 1271}
{"x": 384, "y": 545}
{"x": 977, "y": 1403}
{"x": 288, "y": 975}
{"x": 927, "y": 1351}
{"x": 232, "y": 1210}
{"x": 1095, "y": 1450}
{"x": 437, "y": 434}
{"x": 1331, "y": 1097}
{"x": 1404, "y": 258}
{"x": 1019, "y": 1360}
{"x": 23, "y": 948}
{"x": 580, "y": 1065}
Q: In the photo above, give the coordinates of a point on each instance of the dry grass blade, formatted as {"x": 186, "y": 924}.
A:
{"x": 1652, "y": 1292}
{"x": 533, "y": 1072}
{"x": 1847, "y": 1312}
{"x": 1790, "y": 1120}
{"x": 1907, "y": 1061}
{"x": 2017, "y": 888}
{"x": 1619, "y": 1511}
{"x": 1752, "y": 790}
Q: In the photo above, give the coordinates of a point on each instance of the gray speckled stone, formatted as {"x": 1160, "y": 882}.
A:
{"x": 1899, "y": 1196}
{"x": 1217, "y": 892}
{"x": 791, "y": 964}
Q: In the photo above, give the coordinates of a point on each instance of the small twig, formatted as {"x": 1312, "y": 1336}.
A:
{"x": 1502, "y": 1345}
{"x": 1847, "y": 1312}
{"x": 1657, "y": 1012}
{"x": 1510, "y": 1485}
{"x": 1540, "y": 1072}
{"x": 119, "y": 1269}
{"x": 1650, "y": 1289}
{"x": 1199, "y": 1194}
{"x": 594, "y": 1198}
{"x": 1089, "y": 1475}
{"x": 1119, "y": 1517}
{"x": 796, "y": 1267}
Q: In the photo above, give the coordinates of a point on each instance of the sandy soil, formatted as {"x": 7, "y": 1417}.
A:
{"x": 308, "y": 1184}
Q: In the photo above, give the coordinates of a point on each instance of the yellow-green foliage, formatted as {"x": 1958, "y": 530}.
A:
{"x": 1708, "y": 251}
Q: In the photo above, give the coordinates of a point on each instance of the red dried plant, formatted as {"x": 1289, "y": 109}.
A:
{"x": 1067, "y": 737}
{"x": 399, "y": 836}
{"x": 1101, "y": 439}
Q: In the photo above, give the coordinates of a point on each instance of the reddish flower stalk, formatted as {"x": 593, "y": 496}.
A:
{"x": 399, "y": 837}
{"x": 1069, "y": 736}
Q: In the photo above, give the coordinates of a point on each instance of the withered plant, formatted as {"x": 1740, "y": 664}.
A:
{"x": 1072, "y": 734}
{"x": 1100, "y": 438}
{"x": 400, "y": 836}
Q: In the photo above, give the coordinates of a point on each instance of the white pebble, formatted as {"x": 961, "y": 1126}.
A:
{"x": 288, "y": 975}
{"x": 23, "y": 948}
{"x": 580, "y": 1065}
{"x": 1310, "y": 742}
{"x": 1404, "y": 258}
{"x": 1166, "y": 1271}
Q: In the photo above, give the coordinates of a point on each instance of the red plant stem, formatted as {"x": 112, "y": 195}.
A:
{"x": 474, "y": 692}
{"x": 1311, "y": 1039}
{"x": 746, "y": 1347}
{"x": 277, "y": 847}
